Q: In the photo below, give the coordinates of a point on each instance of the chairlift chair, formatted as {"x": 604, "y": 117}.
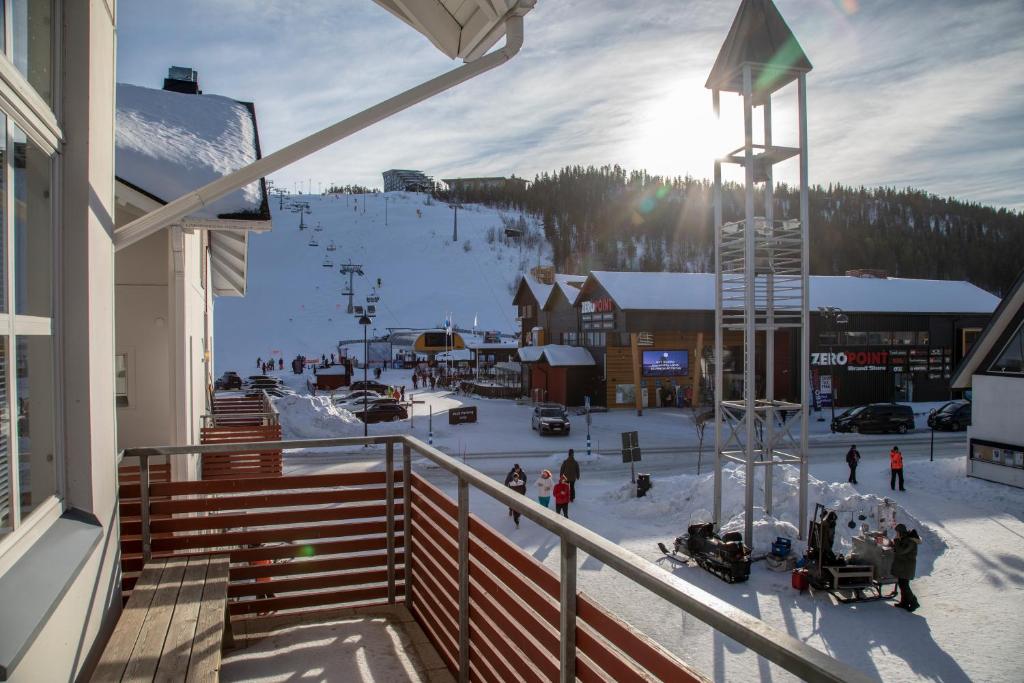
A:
{"x": 331, "y": 247}
{"x": 313, "y": 242}
{"x": 327, "y": 262}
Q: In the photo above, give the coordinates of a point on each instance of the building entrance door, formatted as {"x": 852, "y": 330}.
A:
{"x": 904, "y": 387}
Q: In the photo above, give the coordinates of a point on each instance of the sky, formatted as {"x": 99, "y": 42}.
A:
{"x": 921, "y": 93}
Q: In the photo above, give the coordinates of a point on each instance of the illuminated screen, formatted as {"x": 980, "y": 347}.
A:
{"x": 665, "y": 363}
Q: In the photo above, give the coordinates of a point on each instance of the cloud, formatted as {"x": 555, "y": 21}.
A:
{"x": 921, "y": 92}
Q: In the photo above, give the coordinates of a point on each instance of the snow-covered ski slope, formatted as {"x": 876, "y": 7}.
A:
{"x": 294, "y": 303}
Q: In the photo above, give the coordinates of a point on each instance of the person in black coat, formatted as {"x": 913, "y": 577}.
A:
{"x": 852, "y": 458}
{"x": 904, "y": 565}
{"x": 516, "y": 480}
{"x": 571, "y": 470}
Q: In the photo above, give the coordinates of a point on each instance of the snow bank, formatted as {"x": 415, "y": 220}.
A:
{"x": 689, "y": 499}
{"x": 315, "y": 417}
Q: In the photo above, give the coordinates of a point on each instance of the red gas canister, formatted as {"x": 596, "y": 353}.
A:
{"x": 800, "y": 579}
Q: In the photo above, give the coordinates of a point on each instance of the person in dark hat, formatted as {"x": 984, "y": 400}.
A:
{"x": 904, "y": 565}
{"x": 852, "y": 458}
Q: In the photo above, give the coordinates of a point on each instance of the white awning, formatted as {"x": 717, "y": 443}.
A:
{"x": 463, "y": 29}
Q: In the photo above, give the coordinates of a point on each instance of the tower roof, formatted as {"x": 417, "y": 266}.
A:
{"x": 760, "y": 37}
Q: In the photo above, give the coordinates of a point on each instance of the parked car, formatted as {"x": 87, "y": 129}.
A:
{"x": 355, "y": 397}
{"x": 876, "y": 417}
{"x": 954, "y": 416}
{"x": 257, "y": 378}
{"x": 277, "y": 392}
{"x": 370, "y": 385}
{"x": 381, "y": 411}
{"x": 229, "y": 380}
{"x": 270, "y": 382}
{"x": 550, "y": 418}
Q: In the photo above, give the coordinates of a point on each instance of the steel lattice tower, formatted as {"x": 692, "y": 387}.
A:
{"x": 761, "y": 263}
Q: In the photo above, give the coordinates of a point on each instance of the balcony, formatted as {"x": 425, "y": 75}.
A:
{"x": 378, "y": 575}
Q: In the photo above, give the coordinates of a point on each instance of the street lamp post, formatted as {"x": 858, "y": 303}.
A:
{"x": 365, "y": 322}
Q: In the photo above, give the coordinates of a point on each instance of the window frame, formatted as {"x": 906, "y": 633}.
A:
{"x": 25, "y": 108}
{"x": 989, "y": 368}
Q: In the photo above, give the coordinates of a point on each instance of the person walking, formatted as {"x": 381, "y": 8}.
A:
{"x": 280, "y": 364}
{"x": 415, "y": 381}
{"x": 259, "y": 361}
{"x": 571, "y": 471}
{"x": 516, "y": 480}
{"x": 896, "y": 467}
{"x": 544, "y": 486}
{"x": 904, "y": 565}
{"x": 852, "y": 458}
{"x": 563, "y": 495}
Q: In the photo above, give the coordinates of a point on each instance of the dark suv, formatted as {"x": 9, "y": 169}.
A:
{"x": 229, "y": 380}
{"x": 550, "y": 418}
{"x": 955, "y": 415}
{"x": 876, "y": 417}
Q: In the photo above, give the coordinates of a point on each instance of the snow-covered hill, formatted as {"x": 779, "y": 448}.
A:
{"x": 294, "y": 302}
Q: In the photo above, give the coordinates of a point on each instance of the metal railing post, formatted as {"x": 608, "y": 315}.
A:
{"x": 390, "y": 504}
{"x": 567, "y": 614}
{"x": 144, "y": 505}
{"x": 463, "y": 581}
{"x": 407, "y": 517}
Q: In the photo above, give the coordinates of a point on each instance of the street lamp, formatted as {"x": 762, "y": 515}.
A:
{"x": 836, "y": 317}
{"x": 365, "y": 322}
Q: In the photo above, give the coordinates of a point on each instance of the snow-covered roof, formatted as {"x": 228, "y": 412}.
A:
{"x": 454, "y": 354}
{"x": 696, "y": 292}
{"x": 538, "y": 290}
{"x": 484, "y": 346}
{"x": 170, "y": 143}
{"x": 556, "y": 355}
{"x": 569, "y": 285}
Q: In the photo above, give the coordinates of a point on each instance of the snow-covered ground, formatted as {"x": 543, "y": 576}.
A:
{"x": 970, "y": 566}
{"x": 294, "y": 303}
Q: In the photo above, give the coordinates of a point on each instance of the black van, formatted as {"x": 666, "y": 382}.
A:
{"x": 876, "y": 417}
{"x": 955, "y": 415}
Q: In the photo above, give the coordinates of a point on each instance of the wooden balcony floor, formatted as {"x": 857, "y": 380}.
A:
{"x": 361, "y": 644}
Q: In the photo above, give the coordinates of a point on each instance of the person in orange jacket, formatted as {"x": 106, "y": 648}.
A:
{"x": 896, "y": 467}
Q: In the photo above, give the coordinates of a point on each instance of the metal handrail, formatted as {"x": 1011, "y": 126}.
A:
{"x": 788, "y": 652}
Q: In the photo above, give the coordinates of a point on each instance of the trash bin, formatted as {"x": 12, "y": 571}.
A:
{"x": 643, "y": 485}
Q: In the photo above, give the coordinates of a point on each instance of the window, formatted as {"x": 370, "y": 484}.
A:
{"x": 121, "y": 379}
{"x": 922, "y": 338}
{"x": 570, "y": 338}
{"x": 1011, "y": 358}
{"x": 29, "y": 458}
{"x": 969, "y": 335}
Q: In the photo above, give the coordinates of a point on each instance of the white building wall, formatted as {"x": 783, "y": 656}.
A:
{"x": 996, "y": 416}
{"x": 143, "y": 335}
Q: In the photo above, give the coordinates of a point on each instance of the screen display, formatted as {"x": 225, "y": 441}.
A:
{"x": 665, "y": 363}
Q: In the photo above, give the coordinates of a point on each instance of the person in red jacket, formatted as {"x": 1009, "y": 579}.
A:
{"x": 896, "y": 465}
{"x": 562, "y": 495}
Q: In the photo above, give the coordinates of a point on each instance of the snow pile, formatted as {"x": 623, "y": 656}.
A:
{"x": 689, "y": 499}
{"x": 315, "y": 417}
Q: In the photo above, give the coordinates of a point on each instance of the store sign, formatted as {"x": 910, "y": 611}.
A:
{"x": 603, "y": 305}
{"x": 852, "y": 360}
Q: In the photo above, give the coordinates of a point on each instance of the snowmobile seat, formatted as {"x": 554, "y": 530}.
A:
{"x": 733, "y": 537}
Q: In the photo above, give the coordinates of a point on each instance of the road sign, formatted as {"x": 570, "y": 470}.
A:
{"x": 630, "y": 440}
{"x": 631, "y": 452}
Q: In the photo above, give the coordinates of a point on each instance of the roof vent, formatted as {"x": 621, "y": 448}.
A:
{"x": 870, "y": 273}
{"x": 183, "y": 79}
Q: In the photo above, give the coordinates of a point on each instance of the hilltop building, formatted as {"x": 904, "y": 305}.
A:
{"x": 404, "y": 180}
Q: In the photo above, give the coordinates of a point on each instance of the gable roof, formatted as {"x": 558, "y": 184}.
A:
{"x": 997, "y": 326}
{"x": 569, "y": 285}
{"x": 758, "y": 36}
{"x": 169, "y": 143}
{"x": 696, "y": 292}
{"x": 557, "y": 355}
{"x": 538, "y": 290}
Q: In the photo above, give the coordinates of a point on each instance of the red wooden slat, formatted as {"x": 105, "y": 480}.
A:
{"x": 261, "y": 500}
{"x": 291, "y": 482}
{"x": 277, "y": 518}
{"x": 652, "y": 656}
{"x": 243, "y": 538}
{"x": 298, "y": 567}
{"x": 526, "y": 564}
{"x": 313, "y": 583}
{"x": 503, "y": 610}
{"x": 543, "y": 603}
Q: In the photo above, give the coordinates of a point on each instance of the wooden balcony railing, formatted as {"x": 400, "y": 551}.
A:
{"x": 311, "y": 541}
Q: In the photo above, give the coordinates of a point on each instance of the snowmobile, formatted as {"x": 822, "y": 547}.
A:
{"x": 724, "y": 556}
